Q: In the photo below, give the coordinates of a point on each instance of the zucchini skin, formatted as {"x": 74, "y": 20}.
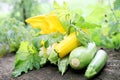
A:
{"x": 80, "y": 57}
{"x": 96, "y": 64}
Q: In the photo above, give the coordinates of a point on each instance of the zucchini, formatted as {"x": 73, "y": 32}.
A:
{"x": 80, "y": 57}
{"x": 96, "y": 64}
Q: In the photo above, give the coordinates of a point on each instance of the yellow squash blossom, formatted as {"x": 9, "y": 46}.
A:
{"x": 47, "y": 23}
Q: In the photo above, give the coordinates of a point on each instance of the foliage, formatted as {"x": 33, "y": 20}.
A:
{"x": 26, "y": 59}
{"x": 95, "y": 22}
{"x": 48, "y": 39}
{"x": 12, "y": 32}
{"x": 63, "y": 64}
{"x": 117, "y": 5}
{"x": 53, "y": 57}
{"x": 43, "y": 55}
{"x": 66, "y": 15}
{"x": 22, "y": 9}
{"x": 101, "y": 21}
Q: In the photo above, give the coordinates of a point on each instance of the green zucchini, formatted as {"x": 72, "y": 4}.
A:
{"x": 96, "y": 64}
{"x": 80, "y": 57}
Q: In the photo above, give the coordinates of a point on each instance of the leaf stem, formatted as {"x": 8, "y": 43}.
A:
{"x": 69, "y": 28}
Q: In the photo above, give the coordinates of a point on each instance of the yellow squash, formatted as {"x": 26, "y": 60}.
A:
{"x": 67, "y": 45}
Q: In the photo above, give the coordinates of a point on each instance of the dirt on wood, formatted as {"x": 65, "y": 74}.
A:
{"x": 50, "y": 72}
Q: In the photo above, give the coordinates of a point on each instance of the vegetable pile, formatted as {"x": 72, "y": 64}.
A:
{"x": 63, "y": 37}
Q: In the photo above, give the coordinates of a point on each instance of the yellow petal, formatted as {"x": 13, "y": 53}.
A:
{"x": 47, "y": 23}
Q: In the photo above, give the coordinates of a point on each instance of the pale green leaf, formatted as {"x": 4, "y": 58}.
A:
{"x": 63, "y": 64}
{"x": 26, "y": 59}
{"x": 117, "y": 5}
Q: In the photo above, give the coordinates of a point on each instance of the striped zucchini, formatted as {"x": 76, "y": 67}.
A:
{"x": 96, "y": 64}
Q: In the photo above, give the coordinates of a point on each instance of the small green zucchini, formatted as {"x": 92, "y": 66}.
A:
{"x": 81, "y": 57}
{"x": 96, "y": 64}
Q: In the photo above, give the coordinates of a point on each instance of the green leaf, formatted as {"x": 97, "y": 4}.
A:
{"x": 43, "y": 55}
{"x": 26, "y": 59}
{"x": 4, "y": 49}
{"x": 117, "y": 5}
{"x": 82, "y": 36}
{"x": 78, "y": 20}
{"x": 13, "y": 32}
{"x": 63, "y": 64}
{"x": 46, "y": 44}
{"x": 63, "y": 13}
{"x": 12, "y": 36}
{"x": 117, "y": 14}
{"x": 97, "y": 16}
{"x": 116, "y": 41}
{"x": 53, "y": 57}
{"x": 113, "y": 28}
{"x": 49, "y": 39}
{"x": 88, "y": 25}
{"x": 96, "y": 35}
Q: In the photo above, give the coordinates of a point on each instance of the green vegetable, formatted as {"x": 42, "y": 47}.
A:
{"x": 4, "y": 48}
{"x": 26, "y": 59}
{"x": 63, "y": 64}
{"x": 96, "y": 64}
{"x": 13, "y": 40}
{"x": 43, "y": 56}
{"x": 53, "y": 57}
{"x": 80, "y": 57}
{"x": 13, "y": 32}
{"x": 49, "y": 39}
{"x": 18, "y": 34}
{"x": 116, "y": 41}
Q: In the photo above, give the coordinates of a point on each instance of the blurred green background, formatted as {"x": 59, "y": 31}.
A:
{"x": 22, "y": 9}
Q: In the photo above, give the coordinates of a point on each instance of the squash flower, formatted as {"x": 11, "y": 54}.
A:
{"x": 46, "y": 23}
